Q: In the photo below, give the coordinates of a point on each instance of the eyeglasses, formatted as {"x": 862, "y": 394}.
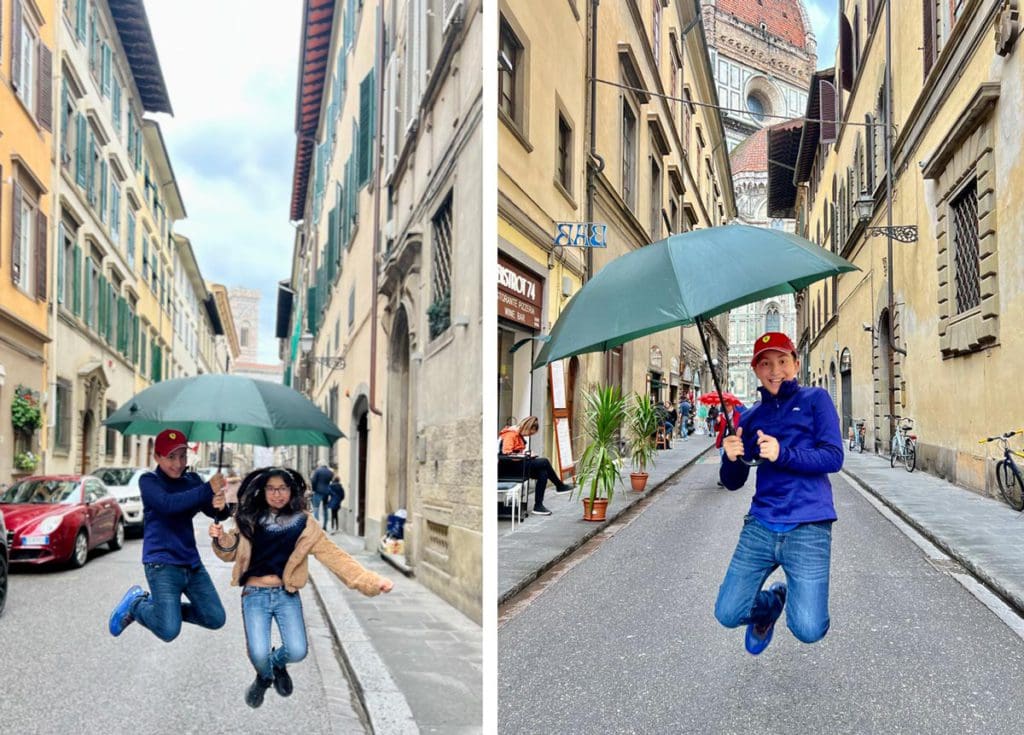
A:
{"x": 280, "y": 490}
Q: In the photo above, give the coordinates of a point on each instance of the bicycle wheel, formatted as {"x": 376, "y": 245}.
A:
{"x": 893, "y": 451}
{"x": 1010, "y": 484}
{"x": 911, "y": 458}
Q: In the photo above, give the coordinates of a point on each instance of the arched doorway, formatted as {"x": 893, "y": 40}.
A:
{"x": 846, "y": 383}
{"x": 87, "y": 439}
{"x": 360, "y": 447}
{"x": 884, "y": 385}
{"x": 399, "y": 441}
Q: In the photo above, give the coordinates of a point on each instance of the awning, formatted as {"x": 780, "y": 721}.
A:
{"x": 783, "y": 149}
{"x": 137, "y": 39}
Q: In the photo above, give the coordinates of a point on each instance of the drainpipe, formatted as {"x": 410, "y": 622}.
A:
{"x": 888, "y": 185}
{"x": 379, "y": 159}
{"x": 592, "y": 154}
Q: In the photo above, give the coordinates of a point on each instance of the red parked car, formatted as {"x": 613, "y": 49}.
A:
{"x": 59, "y": 518}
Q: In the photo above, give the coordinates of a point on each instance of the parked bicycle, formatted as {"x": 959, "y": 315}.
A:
{"x": 904, "y": 444}
{"x": 856, "y": 435}
{"x": 1008, "y": 474}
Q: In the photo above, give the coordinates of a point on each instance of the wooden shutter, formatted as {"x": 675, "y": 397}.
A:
{"x": 928, "y": 16}
{"x": 87, "y": 312}
{"x": 76, "y": 281}
{"x": 16, "y": 45}
{"x": 827, "y": 106}
{"x": 80, "y": 19}
{"x": 41, "y": 236}
{"x": 81, "y": 149}
{"x": 845, "y": 54}
{"x": 60, "y": 263}
{"x": 366, "y": 95}
{"x": 44, "y": 88}
{"x": 16, "y": 233}
{"x": 101, "y": 306}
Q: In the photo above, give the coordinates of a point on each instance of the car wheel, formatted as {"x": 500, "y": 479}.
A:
{"x": 3, "y": 584}
{"x": 118, "y": 540}
{"x": 80, "y": 551}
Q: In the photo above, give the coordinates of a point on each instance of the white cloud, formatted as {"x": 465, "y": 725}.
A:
{"x": 231, "y": 68}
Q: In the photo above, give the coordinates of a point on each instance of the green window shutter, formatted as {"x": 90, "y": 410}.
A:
{"x": 157, "y": 362}
{"x": 332, "y": 244}
{"x": 81, "y": 149}
{"x": 80, "y": 19}
{"x": 117, "y": 107}
{"x": 311, "y": 310}
{"x": 90, "y": 171}
{"x": 60, "y": 263}
{"x": 366, "y": 123}
{"x": 103, "y": 191}
{"x": 135, "y": 339}
{"x": 113, "y": 319}
{"x": 87, "y": 306}
{"x": 76, "y": 281}
{"x": 101, "y": 305}
{"x": 105, "y": 71}
{"x": 65, "y": 120}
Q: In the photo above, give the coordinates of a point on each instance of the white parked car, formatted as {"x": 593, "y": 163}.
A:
{"x": 123, "y": 484}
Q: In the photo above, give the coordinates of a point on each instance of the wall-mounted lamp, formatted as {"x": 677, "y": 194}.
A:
{"x": 867, "y": 327}
{"x": 864, "y": 207}
{"x": 306, "y": 345}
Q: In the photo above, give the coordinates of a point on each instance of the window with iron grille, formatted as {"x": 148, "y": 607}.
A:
{"x": 439, "y": 313}
{"x": 964, "y": 210}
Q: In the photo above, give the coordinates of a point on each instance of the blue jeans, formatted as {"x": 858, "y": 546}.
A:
{"x": 163, "y": 612}
{"x": 320, "y": 501}
{"x": 803, "y": 554}
{"x": 260, "y": 605}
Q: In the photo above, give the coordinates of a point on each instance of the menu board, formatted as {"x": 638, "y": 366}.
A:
{"x": 564, "y": 443}
{"x": 558, "y": 385}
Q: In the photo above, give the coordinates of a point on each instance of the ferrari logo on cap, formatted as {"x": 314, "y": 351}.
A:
{"x": 172, "y": 435}
{"x": 766, "y": 339}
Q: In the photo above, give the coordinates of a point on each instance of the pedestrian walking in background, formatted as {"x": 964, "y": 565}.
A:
{"x": 513, "y": 442}
{"x": 702, "y": 418}
{"x": 270, "y": 549}
{"x": 334, "y": 501}
{"x": 712, "y": 420}
{"x": 320, "y": 481}
{"x": 795, "y": 430}
{"x": 170, "y": 498}
{"x": 685, "y": 408}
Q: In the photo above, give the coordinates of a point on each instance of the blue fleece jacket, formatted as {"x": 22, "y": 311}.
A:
{"x": 794, "y": 488}
{"x": 168, "y": 506}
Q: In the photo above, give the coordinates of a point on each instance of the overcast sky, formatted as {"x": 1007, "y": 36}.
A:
{"x": 231, "y": 68}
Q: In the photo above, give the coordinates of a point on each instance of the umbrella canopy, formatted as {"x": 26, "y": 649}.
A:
{"x": 710, "y": 399}
{"x": 228, "y": 408}
{"x": 685, "y": 279}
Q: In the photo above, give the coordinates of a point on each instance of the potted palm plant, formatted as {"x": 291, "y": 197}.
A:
{"x": 643, "y": 426}
{"x": 599, "y": 465}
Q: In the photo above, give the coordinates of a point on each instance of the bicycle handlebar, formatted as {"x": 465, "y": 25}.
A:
{"x": 1007, "y": 435}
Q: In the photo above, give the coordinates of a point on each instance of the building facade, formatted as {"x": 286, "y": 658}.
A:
{"x": 763, "y": 55}
{"x": 639, "y": 152}
{"x": 27, "y": 45}
{"x": 386, "y": 272}
{"x": 930, "y": 318}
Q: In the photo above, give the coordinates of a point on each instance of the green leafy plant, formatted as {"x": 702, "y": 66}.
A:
{"x": 25, "y": 413}
{"x": 439, "y": 314}
{"x": 643, "y": 426}
{"x": 598, "y": 468}
{"x": 26, "y": 461}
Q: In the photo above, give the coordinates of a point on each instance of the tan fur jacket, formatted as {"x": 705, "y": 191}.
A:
{"x": 313, "y": 541}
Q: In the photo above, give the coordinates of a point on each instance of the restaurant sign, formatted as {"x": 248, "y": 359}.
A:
{"x": 520, "y": 294}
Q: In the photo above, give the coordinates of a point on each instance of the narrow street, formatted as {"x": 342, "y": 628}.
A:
{"x": 626, "y": 640}
{"x": 72, "y": 676}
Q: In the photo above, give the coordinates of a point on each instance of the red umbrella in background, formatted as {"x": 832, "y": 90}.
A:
{"x": 712, "y": 399}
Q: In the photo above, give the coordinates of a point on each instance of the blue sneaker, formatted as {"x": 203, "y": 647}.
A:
{"x": 121, "y": 618}
{"x": 757, "y": 642}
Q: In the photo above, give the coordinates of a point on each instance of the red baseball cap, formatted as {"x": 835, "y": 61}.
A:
{"x": 168, "y": 440}
{"x": 772, "y": 341}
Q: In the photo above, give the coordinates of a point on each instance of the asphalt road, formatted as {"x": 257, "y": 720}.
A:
{"x": 626, "y": 640}
{"x": 63, "y": 672}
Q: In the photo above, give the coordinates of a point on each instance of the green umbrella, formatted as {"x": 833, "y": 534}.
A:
{"x": 229, "y": 408}
{"x": 682, "y": 280}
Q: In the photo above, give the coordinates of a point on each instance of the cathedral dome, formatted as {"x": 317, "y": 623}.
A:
{"x": 785, "y": 19}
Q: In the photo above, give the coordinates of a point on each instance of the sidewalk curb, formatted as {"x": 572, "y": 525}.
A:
{"x": 383, "y": 703}
{"x": 1013, "y": 600}
{"x": 596, "y": 528}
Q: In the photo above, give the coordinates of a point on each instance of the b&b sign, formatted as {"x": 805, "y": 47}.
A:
{"x": 581, "y": 235}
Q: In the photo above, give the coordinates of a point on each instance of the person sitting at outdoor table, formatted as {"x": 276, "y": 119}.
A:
{"x": 513, "y": 442}
{"x": 662, "y": 412}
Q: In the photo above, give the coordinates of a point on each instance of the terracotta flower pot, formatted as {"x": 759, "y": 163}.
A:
{"x": 598, "y": 512}
{"x": 638, "y": 480}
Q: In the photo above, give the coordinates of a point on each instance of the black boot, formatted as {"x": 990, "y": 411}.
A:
{"x": 254, "y": 696}
{"x": 282, "y": 681}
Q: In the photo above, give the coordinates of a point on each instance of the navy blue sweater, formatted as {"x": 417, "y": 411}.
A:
{"x": 167, "y": 509}
{"x": 794, "y": 488}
